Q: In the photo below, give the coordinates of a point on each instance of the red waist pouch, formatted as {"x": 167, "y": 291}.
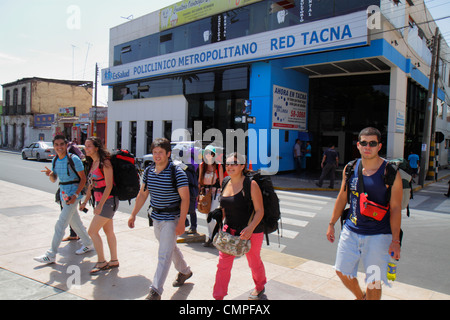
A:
{"x": 371, "y": 209}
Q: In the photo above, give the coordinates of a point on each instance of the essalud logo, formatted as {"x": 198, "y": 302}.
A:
{"x": 108, "y": 75}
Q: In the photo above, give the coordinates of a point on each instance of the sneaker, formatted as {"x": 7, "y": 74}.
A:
{"x": 45, "y": 259}
{"x": 153, "y": 295}
{"x": 181, "y": 278}
{"x": 84, "y": 249}
{"x": 191, "y": 231}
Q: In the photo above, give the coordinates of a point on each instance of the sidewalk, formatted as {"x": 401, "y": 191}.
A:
{"x": 26, "y": 229}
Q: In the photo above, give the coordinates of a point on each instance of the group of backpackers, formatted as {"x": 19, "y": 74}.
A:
{"x": 248, "y": 209}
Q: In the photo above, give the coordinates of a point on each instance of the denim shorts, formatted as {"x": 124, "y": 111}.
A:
{"x": 371, "y": 250}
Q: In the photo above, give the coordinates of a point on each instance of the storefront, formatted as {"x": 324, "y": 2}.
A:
{"x": 275, "y": 70}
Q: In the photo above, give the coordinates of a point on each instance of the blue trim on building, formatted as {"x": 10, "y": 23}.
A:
{"x": 276, "y": 72}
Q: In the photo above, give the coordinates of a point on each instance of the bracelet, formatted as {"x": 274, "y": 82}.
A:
{"x": 331, "y": 224}
{"x": 398, "y": 241}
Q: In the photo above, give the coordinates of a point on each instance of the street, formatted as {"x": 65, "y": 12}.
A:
{"x": 305, "y": 216}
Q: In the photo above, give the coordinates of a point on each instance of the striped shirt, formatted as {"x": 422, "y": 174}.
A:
{"x": 162, "y": 192}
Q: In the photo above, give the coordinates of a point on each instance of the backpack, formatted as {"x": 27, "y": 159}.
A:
{"x": 73, "y": 148}
{"x": 402, "y": 166}
{"x": 126, "y": 175}
{"x": 271, "y": 202}
{"x": 72, "y": 167}
{"x": 192, "y": 177}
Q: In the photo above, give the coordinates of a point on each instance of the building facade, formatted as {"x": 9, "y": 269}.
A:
{"x": 319, "y": 71}
{"x": 36, "y": 109}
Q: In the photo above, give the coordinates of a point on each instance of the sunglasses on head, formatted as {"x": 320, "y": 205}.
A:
{"x": 370, "y": 143}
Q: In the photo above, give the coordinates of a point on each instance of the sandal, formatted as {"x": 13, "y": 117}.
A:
{"x": 69, "y": 238}
{"x": 97, "y": 269}
{"x": 258, "y": 296}
{"x": 112, "y": 266}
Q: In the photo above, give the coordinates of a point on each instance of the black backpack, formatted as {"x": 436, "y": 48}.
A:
{"x": 192, "y": 177}
{"x": 392, "y": 166}
{"x": 126, "y": 175}
{"x": 271, "y": 203}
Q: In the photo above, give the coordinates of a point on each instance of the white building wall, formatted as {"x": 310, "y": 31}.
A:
{"x": 158, "y": 110}
{"x": 397, "y": 114}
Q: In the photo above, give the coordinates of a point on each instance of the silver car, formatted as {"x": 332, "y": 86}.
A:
{"x": 177, "y": 152}
{"x": 39, "y": 150}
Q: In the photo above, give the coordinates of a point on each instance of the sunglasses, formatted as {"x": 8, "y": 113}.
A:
{"x": 371, "y": 144}
{"x": 231, "y": 164}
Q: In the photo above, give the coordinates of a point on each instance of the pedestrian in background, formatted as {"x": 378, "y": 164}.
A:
{"x": 330, "y": 162}
{"x": 237, "y": 214}
{"x": 100, "y": 185}
{"x": 414, "y": 163}
{"x": 71, "y": 183}
{"x": 363, "y": 238}
{"x": 169, "y": 208}
{"x": 308, "y": 156}
{"x": 210, "y": 179}
{"x": 298, "y": 156}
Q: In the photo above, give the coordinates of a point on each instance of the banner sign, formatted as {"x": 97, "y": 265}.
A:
{"x": 334, "y": 33}
{"x": 289, "y": 109}
{"x": 43, "y": 120}
{"x": 191, "y": 10}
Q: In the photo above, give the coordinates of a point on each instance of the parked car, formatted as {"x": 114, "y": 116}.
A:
{"x": 40, "y": 150}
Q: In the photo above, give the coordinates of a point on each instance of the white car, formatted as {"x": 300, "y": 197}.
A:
{"x": 40, "y": 150}
{"x": 178, "y": 152}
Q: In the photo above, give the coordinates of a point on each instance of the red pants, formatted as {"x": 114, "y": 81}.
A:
{"x": 255, "y": 263}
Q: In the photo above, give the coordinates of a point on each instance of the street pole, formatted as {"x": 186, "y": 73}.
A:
{"x": 428, "y": 115}
{"x": 432, "y": 174}
{"x": 95, "y": 102}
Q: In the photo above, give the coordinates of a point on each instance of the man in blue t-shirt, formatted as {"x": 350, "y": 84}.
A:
{"x": 363, "y": 238}
{"x": 71, "y": 182}
{"x": 169, "y": 205}
{"x": 414, "y": 163}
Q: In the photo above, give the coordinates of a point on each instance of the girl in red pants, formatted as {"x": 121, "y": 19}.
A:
{"x": 237, "y": 216}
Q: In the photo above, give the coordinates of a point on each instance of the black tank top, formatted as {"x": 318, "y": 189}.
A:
{"x": 237, "y": 212}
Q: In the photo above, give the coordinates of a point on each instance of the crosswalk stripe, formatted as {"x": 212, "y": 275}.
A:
{"x": 303, "y": 195}
{"x": 300, "y": 199}
{"x": 301, "y": 205}
{"x": 296, "y": 212}
{"x": 294, "y": 222}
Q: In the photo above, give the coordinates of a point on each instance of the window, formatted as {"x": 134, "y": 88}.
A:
{"x": 149, "y": 136}
{"x": 167, "y": 125}
{"x": 118, "y": 134}
{"x": 133, "y": 131}
{"x": 149, "y": 89}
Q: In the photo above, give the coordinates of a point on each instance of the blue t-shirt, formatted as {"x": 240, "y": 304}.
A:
{"x": 413, "y": 160}
{"x": 376, "y": 190}
{"x": 162, "y": 192}
{"x": 64, "y": 175}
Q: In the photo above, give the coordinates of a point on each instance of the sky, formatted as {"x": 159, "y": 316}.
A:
{"x": 64, "y": 39}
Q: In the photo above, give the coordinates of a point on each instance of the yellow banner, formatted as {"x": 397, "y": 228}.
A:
{"x": 191, "y": 10}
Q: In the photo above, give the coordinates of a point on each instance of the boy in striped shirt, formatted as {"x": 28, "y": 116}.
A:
{"x": 169, "y": 207}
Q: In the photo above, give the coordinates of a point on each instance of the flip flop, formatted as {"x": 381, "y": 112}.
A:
{"x": 97, "y": 269}
{"x": 258, "y": 296}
